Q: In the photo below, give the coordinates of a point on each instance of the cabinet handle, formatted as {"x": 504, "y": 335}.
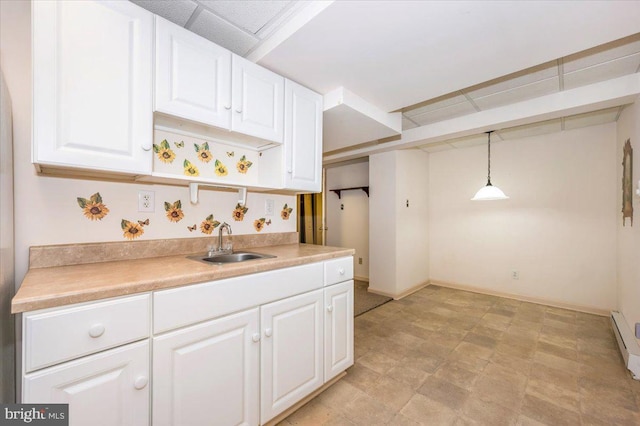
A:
{"x": 140, "y": 382}
{"x": 146, "y": 147}
{"x": 96, "y": 330}
{"x": 268, "y": 332}
{"x": 239, "y": 111}
{"x": 227, "y": 107}
{"x": 341, "y": 271}
{"x": 255, "y": 337}
{"x": 330, "y": 308}
{"x": 289, "y": 171}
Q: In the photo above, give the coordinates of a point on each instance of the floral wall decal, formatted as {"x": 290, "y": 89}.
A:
{"x": 174, "y": 211}
{"x": 208, "y": 225}
{"x": 203, "y": 153}
{"x": 221, "y": 169}
{"x": 165, "y": 154}
{"x": 285, "y": 214}
{"x": 131, "y": 229}
{"x": 190, "y": 169}
{"x": 259, "y": 224}
{"x": 239, "y": 212}
{"x": 93, "y": 208}
{"x": 243, "y": 165}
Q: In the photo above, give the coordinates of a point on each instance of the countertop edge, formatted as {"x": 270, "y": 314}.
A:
{"x": 24, "y": 302}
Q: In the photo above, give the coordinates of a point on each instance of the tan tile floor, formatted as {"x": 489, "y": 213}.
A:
{"x": 450, "y": 357}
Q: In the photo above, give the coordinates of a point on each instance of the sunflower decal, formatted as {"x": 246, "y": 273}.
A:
{"x": 131, "y": 229}
{"x": 203, "y": 153}
{"x": 190, "y": 169}
{"x": 93, "y": 208}
{"x": 239, "y": 212}
{"x": 208, "y": 225}
{"x": 221, "y": 169}
{"x": 174, "y": 211}
{"x": 286, "y": 212}
{"x": 164, "y": 152}
{"x": 243, "y": 165}
{"x": 259, "y": 224}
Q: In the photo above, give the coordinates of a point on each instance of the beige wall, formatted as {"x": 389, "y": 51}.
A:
{"x": 558, "y": 230}
{"x": 629, "y": 236}
{"x": 398, "y": 234}
{"x": 46, "y": 208}
{"x": 349, "y": 227}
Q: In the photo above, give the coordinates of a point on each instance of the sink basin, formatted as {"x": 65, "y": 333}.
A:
{"x": 240, "y": 256}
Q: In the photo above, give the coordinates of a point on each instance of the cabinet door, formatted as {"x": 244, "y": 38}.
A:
{"x": 258, "y": 101}
{"x": 193, "y": 76}
{"x": 302, "y": 138}
{"x": 92, "y": 85}
{"x": 291, "y": 358}
{"x": 208, "y": 373}
{"x": 109, "y": 388}
{"x": 338, "y": 329}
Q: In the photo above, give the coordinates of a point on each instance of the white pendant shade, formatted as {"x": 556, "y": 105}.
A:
{"x": 489, "y": 192}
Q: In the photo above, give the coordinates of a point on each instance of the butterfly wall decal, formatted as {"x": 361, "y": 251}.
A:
{"x": 144, "y": 222}
{"x": 192, "y": 228}
{"x": 179, "y": 144}
{"x": 231, "y": 153}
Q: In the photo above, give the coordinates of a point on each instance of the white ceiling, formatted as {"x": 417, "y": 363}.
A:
{"x": 438, "y": 61}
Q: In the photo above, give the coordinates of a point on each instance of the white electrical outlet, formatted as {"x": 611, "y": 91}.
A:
{"x": 269, "y": 207}
{"x": 515, "y": 275}
{"x": 146, "y": 201}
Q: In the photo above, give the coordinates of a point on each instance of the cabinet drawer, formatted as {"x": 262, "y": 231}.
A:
{"x": 187, "y": 305}
{"x": 58, "y": 335}
{"x": 338, "y": 270}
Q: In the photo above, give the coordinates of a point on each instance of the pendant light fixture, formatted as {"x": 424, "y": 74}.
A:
{"x": 489, "y": 192}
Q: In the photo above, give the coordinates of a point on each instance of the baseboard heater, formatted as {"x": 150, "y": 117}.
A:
{"x": 627, "y": 342}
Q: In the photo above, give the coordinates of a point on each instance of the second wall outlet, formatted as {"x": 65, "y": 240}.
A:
{"x": 269, "y": 207}
{"x": 515, "y": 275}
{"x": 146, "y": 201}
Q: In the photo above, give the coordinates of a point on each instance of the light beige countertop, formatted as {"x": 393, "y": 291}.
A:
{"x": 46, "y": 287}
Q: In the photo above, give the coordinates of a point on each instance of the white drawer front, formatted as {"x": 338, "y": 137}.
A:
{"x": 191, "y": 304}
{"x": 338, "y": 270}
{"x": 62, "y": 334}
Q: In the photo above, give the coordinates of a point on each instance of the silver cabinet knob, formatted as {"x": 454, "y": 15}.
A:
{"x": 96, "y": 330}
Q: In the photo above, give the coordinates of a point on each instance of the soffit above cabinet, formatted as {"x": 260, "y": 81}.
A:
{"x": 350, "y": 120}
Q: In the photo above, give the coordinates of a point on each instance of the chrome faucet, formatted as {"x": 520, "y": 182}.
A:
{"x": 222, "y": 227}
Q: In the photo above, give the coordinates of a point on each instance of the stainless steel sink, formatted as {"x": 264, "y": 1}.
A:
{"x": 239, "y": 256}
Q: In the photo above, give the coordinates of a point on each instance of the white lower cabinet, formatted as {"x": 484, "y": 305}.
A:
{"x": 109, "y": 388}
{"x": 207, "y": 374}
{"x": 292, "y": 351}
{"x": 338, "y": 329}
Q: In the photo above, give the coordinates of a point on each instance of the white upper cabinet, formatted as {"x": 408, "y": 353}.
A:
{"x": 258, "y": 101}
{"x": 193, "y": 76}
{"x": 92, "y": 85}
{"x": 303, "y": 138}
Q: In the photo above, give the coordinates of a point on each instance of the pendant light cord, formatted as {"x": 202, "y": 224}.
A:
{"x": 489, "y": 160}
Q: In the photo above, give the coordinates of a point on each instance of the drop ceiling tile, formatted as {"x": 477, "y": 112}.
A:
{"x": 408, "y": 124}
{"x": 219, "y": 31}
{"x": 605, "y": 71}
{"x": 176, "y": 11}
{"x": 608, "y": 115}
{"x": 436, "y": 147}
{"x": 251, "y": 15}
{"x": 535, "y": 129}
{"x": 434, "y": 104}
{"x": 512, "y": 81}
{"x": 518, "y": 94}
{"x": 605, "y": 53}
{"x": 453, "y": 111}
